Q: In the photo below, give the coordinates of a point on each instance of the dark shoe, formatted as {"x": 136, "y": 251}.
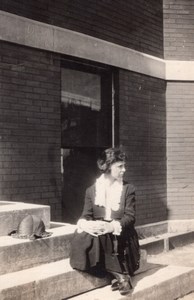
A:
{"x": 114, "y": 285}
{"x": 125, "y": 286}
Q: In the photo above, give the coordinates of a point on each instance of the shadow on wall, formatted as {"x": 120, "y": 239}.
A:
{"x": 143, "y": 137}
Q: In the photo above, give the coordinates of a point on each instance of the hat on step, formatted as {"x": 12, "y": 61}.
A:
{"x": 31, "y": 227}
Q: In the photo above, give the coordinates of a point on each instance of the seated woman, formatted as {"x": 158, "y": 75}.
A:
{"x": 105, "y": 239}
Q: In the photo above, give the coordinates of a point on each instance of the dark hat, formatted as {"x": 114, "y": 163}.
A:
{"x": 31, "y": 227}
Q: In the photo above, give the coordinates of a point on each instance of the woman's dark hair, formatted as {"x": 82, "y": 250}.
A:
{"x": 109, "y": 157}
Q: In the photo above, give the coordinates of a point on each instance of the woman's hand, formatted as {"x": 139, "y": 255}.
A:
{"x": 95, "y": 227}
{"x": 107, "y": 227}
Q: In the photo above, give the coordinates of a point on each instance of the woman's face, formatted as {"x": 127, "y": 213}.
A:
{"x": 117, "y": 170}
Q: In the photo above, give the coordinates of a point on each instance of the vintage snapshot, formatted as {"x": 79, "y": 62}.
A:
{"x": 97, "y": 150}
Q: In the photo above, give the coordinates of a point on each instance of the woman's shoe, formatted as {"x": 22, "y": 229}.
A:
{"x": 125, "y": 286}
{"x": 114, "y": 285}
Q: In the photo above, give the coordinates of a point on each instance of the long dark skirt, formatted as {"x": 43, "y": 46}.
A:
{"x": 109, "y": 252}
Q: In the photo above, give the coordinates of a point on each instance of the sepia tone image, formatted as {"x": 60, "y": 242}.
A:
{"x": 96, "y": 149}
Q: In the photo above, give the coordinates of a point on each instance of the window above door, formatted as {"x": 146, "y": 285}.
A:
{"x": 86, "y": 100}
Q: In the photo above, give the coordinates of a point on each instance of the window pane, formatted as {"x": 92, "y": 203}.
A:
{"x": 84, "y": 120}
{"x": 82, "y": 89}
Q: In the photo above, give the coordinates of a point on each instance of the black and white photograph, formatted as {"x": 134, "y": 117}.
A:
{"x": 97, "y": 150}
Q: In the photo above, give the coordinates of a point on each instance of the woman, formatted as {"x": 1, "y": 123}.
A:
{"x": 105, "y": 238}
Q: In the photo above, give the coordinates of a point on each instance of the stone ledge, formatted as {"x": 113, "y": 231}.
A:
{"x": 57, "y": 247}
{"x": 55, "y": 280}
{"x": 166, "y": 242}
{"x": 32, "y": 253}
{"x": 41, "y": 251}
{"x": 31, "y": 33}
{"x": 160, "y": 282}
{"x": 167, "y": 226}
{"x": 175, "y": 226}
{"x": 11, "y": 213}
{"x": 152, "y": 229}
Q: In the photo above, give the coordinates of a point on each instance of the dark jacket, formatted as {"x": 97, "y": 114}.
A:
{"x": 87, "y": 253}
{"x": 126, "y": 213}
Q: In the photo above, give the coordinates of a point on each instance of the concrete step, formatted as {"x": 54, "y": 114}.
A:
{"x": 181, "y": 256}
{"x": 159, "y": 282}
{"x": 57, "y": 281}
{"x": 29, "y": 253}
{"x": 52, "y": 281}
{"x": 190, "y": 296}
{"x": 166, "y": 241}
{"x": 11, "y": 213}
{"x": 56, "y": 247}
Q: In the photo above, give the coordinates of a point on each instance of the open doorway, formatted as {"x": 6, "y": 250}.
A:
{"x": 86, "y": 115}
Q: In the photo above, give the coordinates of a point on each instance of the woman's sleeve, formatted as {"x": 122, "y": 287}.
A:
{"x": 128, "y": 218}
{"x": 87, "y": 212}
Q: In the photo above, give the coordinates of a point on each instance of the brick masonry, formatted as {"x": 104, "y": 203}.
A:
{"x": 30, "y": 128}
{"x": 133, "y": 24}
{"x": 30, "y": 105}
{"x": 178, "y": 29}
{"x": 30, "y": 102}
{"x": 180, "y": 149}
{"x": 31, "y": 132}
{"x": 142, "y": 120}
{"x": 178, "y": 45}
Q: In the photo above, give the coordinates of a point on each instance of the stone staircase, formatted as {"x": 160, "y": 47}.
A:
{"x": 40, "y": 269}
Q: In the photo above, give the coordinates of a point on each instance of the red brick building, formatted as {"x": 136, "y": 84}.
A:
{"x": 77, "y": 77}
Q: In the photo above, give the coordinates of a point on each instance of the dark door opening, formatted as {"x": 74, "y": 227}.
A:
{"x": 86, "y": 114}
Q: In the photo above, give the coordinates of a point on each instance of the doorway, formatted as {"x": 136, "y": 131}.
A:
{"x": 86, "y": 130}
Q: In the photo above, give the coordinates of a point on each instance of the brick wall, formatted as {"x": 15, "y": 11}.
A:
{"x": 178, "y": 45}
{"x": 134, "y": 24}
{"x": 143, "y": 136}
{"x": 30, "y": 127}
{"x": 30, "y": 106}
{"x": 180, "y": 149}
{"x": 178, "y": 29}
